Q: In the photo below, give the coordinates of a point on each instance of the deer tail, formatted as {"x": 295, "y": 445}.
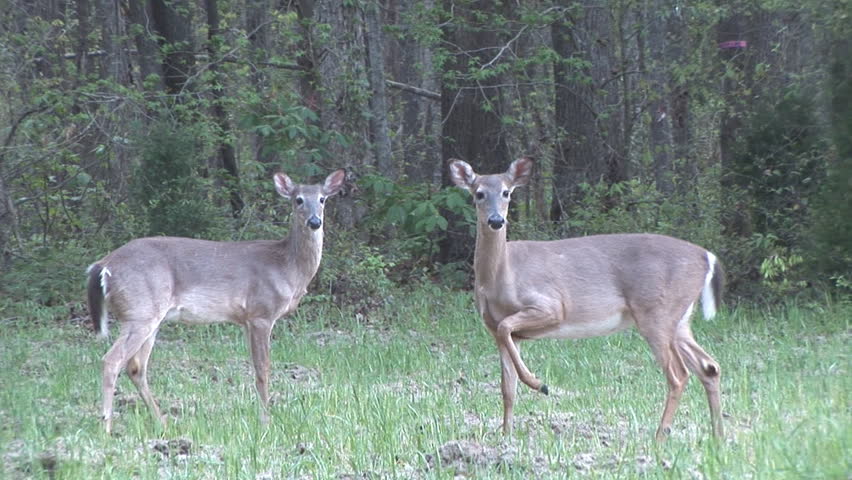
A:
{"x": 714, "y": 284}
{"x": 96, "y": 290}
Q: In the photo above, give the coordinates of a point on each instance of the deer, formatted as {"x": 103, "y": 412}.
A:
{"x": 252, "y": 284}
{"x": 587, "y": 287}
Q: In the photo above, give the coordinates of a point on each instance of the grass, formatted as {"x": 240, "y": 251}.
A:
{"x": 415, "y": 394}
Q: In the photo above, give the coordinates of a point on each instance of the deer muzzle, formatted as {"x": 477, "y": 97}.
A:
{"x": 314, "y": 222}
{"x": 496, "y": 221}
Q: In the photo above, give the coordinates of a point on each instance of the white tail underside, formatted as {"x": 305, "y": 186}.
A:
{"x": 708, "y": 302}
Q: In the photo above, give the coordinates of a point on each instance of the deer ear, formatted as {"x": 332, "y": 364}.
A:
{"x": 334, "y": 182}
{"x": 519, "y": 172}
{"x": 285, "y": 186}
{"x": 462, "y": 174}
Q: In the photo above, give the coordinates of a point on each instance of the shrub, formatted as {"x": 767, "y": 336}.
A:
{"x": 167, "y": 185}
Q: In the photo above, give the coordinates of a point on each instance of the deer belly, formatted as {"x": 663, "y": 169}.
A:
{"x": 194, "y": 317}
{"x": 587, "y": 329}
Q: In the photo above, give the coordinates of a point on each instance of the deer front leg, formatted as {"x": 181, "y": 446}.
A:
{"x": 508, "y": 387}
{"x": 259, "y": 334}
{"x": 525, "y": 320}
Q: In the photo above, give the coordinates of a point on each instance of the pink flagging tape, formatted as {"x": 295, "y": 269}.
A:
{"x": 734, "y": 44}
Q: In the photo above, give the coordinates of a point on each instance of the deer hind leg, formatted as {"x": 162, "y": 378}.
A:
{"x": 706, "y": 369}
{"x": 137, "y": 370}
{"x": 508, "y": 387}
{"x": 258, "y": 339}
{"x": 128, "y": 344}
{"x": 673, "y": 367}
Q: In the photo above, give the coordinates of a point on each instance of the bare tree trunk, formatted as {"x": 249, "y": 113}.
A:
{"x": 336, "y": 73}
{"x": 661, "y": 137}
{"x": 226, "y": 157}
{"x": 114, "y": 63}
{"x": 81, "y": 58}
{"x": 590, "y": 134}
{"x": 8, "y": 222}
{"x": 378, "y": 104}
{"x": 412, "y": 63}
{"x": 257, "y": 12}
{"x": 471, "y": 109}
{"x": 173, "y": 25}
{"x": 150, "y": 66}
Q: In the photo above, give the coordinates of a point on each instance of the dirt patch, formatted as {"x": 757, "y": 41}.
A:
{"x": 300, "y": 373}
{"x": 181, "y": 450}
{"x": 180, "y": 447}
{"x": 464, "y": 456}
{"x": 326, "y": 337}
{"x": 592, "y": 426}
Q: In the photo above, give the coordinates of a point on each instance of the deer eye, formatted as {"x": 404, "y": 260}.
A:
{"x": 480, "y": 195}
{"x": 300, "y": 200}
{"x": 322, "y": 199}
{"x": 505, "y": 194}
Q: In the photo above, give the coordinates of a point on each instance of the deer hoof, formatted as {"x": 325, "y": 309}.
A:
{"x": 544, "y": 389}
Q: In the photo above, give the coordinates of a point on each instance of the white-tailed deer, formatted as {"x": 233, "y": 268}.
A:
{"x": 252, "y": 284}
{"x": 588, "y": 287}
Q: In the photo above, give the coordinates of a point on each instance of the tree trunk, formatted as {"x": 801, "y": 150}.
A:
{"x": 661, "y": 137}
{"x": 590, "y": 133}
{"x": 226, "y": 157}
{"x": 81, "y": 58}
{"x": 378, "y": 104}
{"x": 114, "y": 63}
{"x": 172, "y": 22}
{"x": 471, "y": 108}
{"x": 412, "y": 63}
{"x": 332, "y": 87}
{"x": 150, "y": 66}
{"x": 257, "y": 13}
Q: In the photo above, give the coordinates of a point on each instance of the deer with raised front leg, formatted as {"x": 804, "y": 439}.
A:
{"x": 588, "y": 287}
{"x": 251, "y": 283}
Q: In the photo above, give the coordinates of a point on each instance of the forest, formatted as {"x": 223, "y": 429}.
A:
{"x": 727, "y": 124}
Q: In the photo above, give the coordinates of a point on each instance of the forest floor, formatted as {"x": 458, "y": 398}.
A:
{"x": 414, "y": 392}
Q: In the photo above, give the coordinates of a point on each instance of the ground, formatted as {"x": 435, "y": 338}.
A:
{"x": 413, "y": 391}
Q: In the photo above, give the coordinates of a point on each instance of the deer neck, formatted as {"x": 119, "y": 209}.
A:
{"x": 303, "y": 249}
{"x": 490, "y": 258}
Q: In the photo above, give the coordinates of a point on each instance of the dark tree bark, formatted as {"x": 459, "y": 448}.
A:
{"x": 411, "y": 62}
{"x": 226, "y": 157}
{"x": 378, "y": 99}
{"x": 335, "y": 66}
{"x": 150, "y": 66}
{"x": 472, "y": 130}
{"x": 257, "y": 29}
{"x": 114, "y": 63}
{"x": 589, "y": 144}
{"x": 81, "y": 58}
{"x": 172, "y": 21}
{"x": 471, "y": 108}
{"x": 660, "y": 131}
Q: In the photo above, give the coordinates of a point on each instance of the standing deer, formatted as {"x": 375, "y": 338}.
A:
{"x": 588, "y": 287}
{"x": 252, "y": 284}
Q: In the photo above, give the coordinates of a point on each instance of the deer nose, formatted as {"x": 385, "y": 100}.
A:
{"x": 314, "y": 222}
{"x": 496, "y": 222}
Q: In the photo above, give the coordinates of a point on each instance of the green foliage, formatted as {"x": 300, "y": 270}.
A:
{"x": 292, "y": 132}
{"x": 780, "y": 165}
{"x": 415, "y": 212}
{"x": 355, "y": 275}
{"x": 637, "y": 206}
{"x": 833, "y": 207}
{"x": 168, "y": 187}
{"x": 47, "y": 283}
